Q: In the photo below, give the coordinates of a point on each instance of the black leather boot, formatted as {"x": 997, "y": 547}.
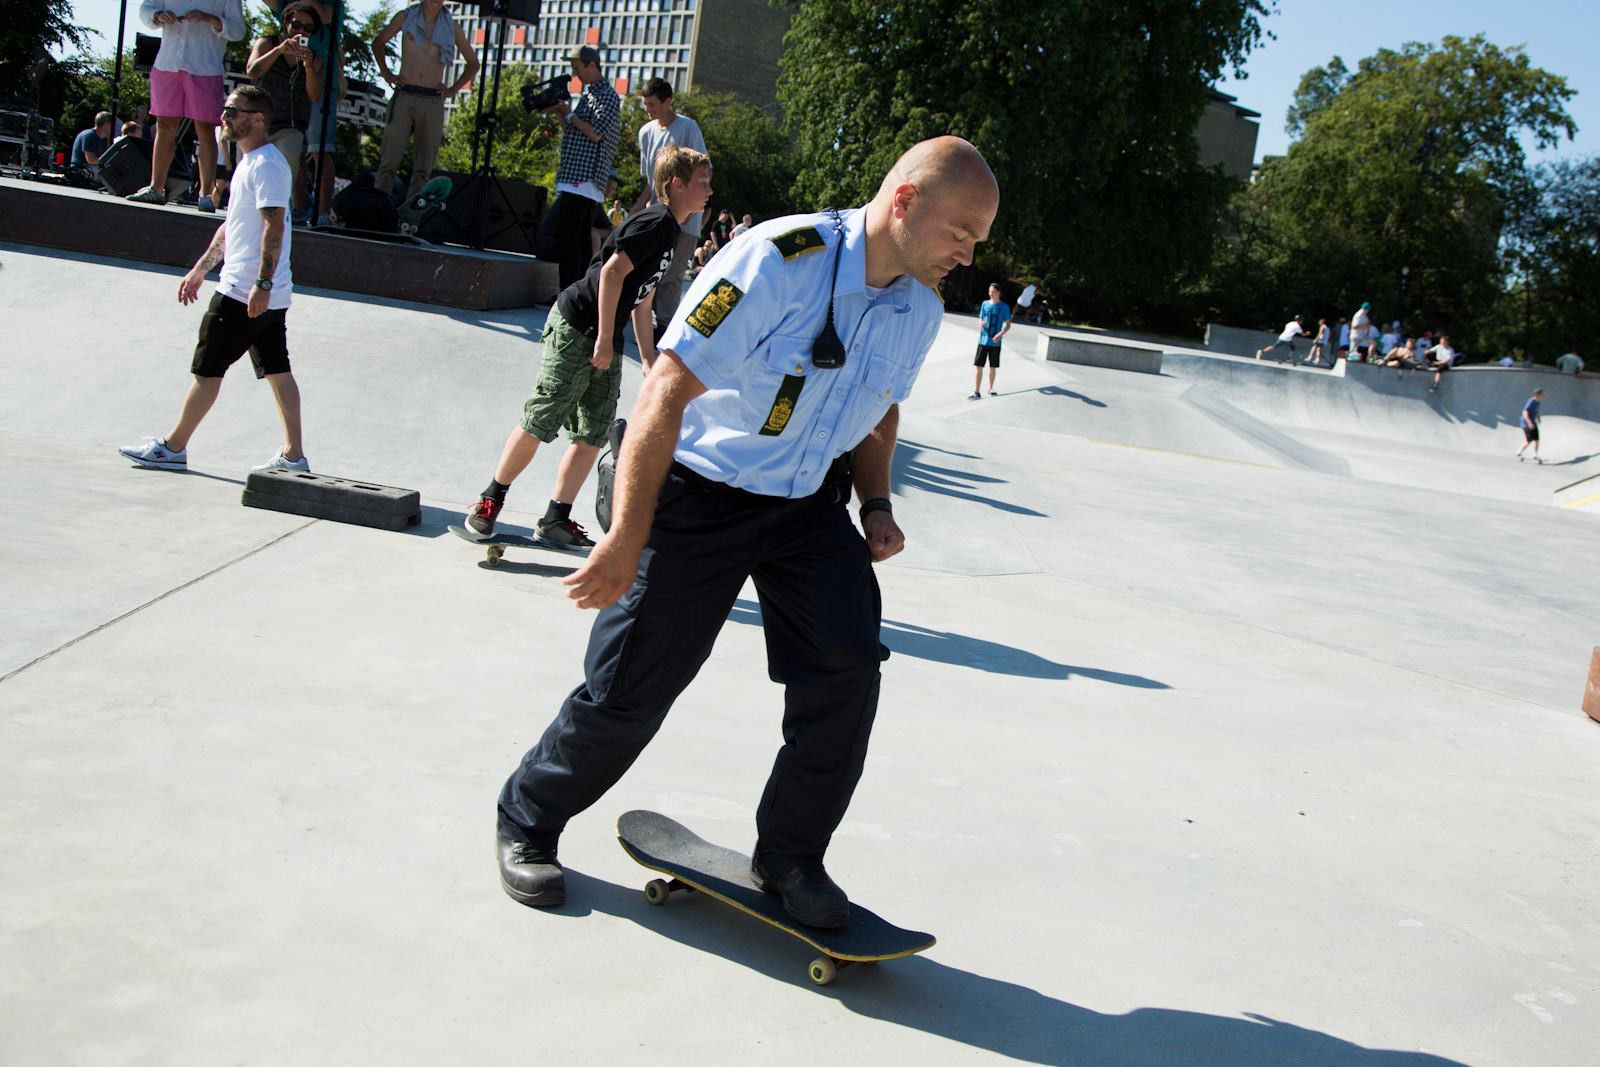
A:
{"x": 531, "y": 875}
{"x": 808, "y": 894}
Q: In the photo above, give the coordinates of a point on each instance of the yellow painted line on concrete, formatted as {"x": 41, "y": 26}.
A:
{"x": 1590, "y": 499}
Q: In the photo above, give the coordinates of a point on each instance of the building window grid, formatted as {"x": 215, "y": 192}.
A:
{"x": 569, "y": 25}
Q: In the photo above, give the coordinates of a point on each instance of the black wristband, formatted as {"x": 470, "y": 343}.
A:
{"x": 877, "y": 503}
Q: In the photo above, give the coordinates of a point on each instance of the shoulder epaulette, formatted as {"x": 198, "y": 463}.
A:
{"x": 801, "y": 242}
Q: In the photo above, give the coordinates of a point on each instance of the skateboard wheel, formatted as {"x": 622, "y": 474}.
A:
{"x": 493, "y": 554}
{"x": 822, "y": 970}
{"x": 656, "y": 891}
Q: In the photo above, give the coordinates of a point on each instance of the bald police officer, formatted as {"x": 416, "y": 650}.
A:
{"x": 769, "y": 402}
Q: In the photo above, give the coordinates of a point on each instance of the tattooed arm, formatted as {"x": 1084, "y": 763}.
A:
{"x": 271, "y": 248}
{"x": 189, "y": 288}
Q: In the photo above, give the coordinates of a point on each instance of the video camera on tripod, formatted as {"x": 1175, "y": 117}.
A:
{"x": 554, "y": 92}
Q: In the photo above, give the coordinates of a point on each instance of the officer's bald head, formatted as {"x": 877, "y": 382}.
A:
{"x": 935, "y": 204}
{"x": 943, "y": 166}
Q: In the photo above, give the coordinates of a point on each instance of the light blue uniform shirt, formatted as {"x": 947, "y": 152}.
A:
{"x": 770, "y": 422}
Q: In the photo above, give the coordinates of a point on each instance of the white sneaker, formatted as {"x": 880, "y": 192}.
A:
{"x": 280, "y": 462}
{"x": 155, "y": 454}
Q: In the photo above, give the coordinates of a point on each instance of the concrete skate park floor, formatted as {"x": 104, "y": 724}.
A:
{"x": 1185, "y": 754}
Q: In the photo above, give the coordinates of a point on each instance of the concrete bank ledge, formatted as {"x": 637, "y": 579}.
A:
{"x": 1096, "y": 350}
{"x": 1237, "y": 341}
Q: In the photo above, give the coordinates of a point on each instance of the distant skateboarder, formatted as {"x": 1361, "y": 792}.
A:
{"x": 1530, "y": 426}
{"x": 1291, "y": 330}
{"x": 994, "y": 321}
{"x": 1319, "y": 344}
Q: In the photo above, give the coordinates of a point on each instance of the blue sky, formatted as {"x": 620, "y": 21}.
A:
{"x": 1560, "y": 36}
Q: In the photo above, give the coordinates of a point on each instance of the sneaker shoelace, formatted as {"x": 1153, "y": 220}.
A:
{"x": 484, "y": 510}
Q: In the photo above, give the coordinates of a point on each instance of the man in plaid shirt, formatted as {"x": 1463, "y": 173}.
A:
{"x": 588, "y": 147}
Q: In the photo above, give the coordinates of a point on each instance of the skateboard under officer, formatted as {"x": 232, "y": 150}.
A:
{"x": 771, "y": 400}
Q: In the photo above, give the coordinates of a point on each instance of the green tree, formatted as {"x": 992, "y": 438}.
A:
{"x": 526, "y": 146}
{"x": 1403, "y": 182}
{"x": 90, "y": 91}
{"x": 1086, "y": 111}
{"x": 29, "y": 33}
{"x": 1554, "y": 253}
{"x": 751, "y": 161}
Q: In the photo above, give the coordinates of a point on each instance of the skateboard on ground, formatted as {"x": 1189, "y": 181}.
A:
{"x": 494, "y": 548}
{"x": 692, "y": 864}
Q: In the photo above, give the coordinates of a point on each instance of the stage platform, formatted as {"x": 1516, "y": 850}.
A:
{"x": 83, "y": 220}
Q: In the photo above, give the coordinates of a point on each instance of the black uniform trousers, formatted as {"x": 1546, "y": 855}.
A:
{"x": 821, "y": 609}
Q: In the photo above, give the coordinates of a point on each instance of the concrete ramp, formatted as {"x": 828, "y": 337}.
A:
{"x": 1476, "y": 409}
{"x": 1290, "y": 452}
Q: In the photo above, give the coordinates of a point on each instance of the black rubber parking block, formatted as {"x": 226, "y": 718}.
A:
{"x": 323, "y": 496}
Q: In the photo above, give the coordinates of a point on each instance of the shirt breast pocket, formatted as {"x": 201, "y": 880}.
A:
{"x": 885, "y": 383}
{"x": 774, "y": 392}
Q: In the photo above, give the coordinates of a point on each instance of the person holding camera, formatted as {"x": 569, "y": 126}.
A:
{"x": 291, "y": 73}
{"x": 430, "y": 38}
{"x": 588, "y": 147}
{"x": 186, "y": 83}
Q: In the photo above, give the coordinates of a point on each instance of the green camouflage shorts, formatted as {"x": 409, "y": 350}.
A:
{"x": 570, "y": 393}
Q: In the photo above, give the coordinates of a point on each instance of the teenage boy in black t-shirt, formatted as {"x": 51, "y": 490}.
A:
{"x": 580, "y": 376}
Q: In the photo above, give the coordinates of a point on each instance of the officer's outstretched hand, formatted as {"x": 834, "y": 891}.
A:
{"x": 884, "y": 537}
{"x": 607, "y": 574}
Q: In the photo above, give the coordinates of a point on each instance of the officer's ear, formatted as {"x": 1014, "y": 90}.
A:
{"x": 904, "y": 194}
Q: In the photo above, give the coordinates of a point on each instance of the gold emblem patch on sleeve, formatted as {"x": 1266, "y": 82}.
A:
{"x": 714, "y": 307}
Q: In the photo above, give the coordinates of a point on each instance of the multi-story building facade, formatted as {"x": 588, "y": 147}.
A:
{"x": 716, "y": 45}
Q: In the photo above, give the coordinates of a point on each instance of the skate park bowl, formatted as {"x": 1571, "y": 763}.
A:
{"x": 1253, "y": 693}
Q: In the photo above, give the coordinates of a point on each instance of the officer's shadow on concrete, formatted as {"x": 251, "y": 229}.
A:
{"x": 912, "y": 471}
{"x": 979, "y": 1012}
{"x": 959, "y": 650}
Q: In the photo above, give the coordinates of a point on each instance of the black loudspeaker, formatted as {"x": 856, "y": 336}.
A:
{"x": 515, "y": 208}
{"x": 125, "y": 168}
{"x": 144, "y": 52}
{"x": 513, "y": 10}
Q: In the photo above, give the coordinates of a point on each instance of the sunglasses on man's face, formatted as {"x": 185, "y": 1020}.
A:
{"x": 303, "y": 27}
{"x": 230, "y": 111}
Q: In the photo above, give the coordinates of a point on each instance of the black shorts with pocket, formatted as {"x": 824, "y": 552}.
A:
{"x": 228, "y": 331}
{"x": 989, "y": 354}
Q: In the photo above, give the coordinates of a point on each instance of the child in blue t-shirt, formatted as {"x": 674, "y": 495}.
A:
{"x": 1530, "y": 426}
{"x": 994, "y": 319}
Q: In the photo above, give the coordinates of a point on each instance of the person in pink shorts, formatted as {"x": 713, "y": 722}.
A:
{"x": 186, "y": 83}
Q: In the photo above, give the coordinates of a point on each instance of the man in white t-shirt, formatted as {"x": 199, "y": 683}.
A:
{"x": 1361, "y": 329}
{"x": 667, "y": 127}
{"x": 250, "y": 307}
{"x": 1291, "y": 330}
{"x": 1571, "y": 363}
{"x": 1025, "y": 300}
{"x": 1439, "y": 359}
